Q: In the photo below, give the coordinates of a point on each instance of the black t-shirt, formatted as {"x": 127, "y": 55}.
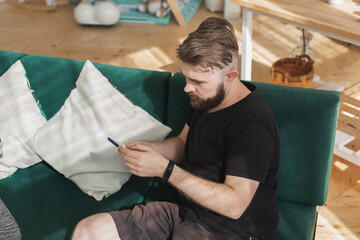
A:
{"x": 240, "y": 140}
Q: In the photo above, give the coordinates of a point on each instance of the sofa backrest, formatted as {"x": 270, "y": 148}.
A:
{"x": 39, "y": 193}
{"x": 178, "y": 104}
{"x": 307, "y": 121}
{"x": 7, "y": 59}
{"x": 53, "y": 79}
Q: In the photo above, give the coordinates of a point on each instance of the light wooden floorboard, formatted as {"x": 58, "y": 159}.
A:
{"x": 339, "y": 218}
{"x": 153, "y": 47}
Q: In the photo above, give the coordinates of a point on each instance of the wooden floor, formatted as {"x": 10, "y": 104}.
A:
{"x": 153, "y": 47}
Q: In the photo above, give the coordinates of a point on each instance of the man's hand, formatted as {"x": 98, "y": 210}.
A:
{"x": 142, "y": 160}
{"x": 132, "y": 144}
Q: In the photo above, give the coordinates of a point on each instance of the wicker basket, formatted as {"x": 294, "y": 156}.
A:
{"x": 297, "y": 72}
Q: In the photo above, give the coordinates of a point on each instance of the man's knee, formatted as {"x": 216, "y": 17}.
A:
{"x": 83, "y": 229}
{"x": 99, "y": 226}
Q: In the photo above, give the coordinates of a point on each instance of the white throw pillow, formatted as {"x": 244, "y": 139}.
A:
{"x": 20, "y": 118}
{"x": 75, "y": 141}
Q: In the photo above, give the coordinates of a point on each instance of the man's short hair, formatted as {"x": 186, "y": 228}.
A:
{"x": 212, "y": 45}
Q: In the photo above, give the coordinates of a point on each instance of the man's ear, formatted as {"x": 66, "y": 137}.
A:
{"x": 231, "y": 75}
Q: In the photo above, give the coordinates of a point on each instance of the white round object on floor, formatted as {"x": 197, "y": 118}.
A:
{"x": 106, "y": 13}
{"x": 102, "y": 13}
{"x": 84, "y": 13}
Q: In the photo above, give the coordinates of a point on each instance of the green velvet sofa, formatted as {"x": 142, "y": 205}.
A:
{"x": 46, "y": 205}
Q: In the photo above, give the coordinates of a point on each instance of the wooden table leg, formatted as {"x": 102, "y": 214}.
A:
{"x": 246, "y": 53}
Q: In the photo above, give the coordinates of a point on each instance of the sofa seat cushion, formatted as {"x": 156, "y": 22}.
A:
{"x": 161, "y": 191}
{"x": 297, "y": 221}
{"x": 48, "y": 206}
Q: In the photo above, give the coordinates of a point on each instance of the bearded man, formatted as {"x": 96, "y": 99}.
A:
{"x": 224, "y": 162}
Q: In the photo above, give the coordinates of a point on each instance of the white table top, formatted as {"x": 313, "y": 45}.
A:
{"x": 341, "y": 21}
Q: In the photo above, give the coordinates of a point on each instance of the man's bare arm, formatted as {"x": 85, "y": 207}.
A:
{"x": 230, "y": 198}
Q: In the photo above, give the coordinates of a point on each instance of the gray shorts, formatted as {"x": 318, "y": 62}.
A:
{"x": 157, "y": 221}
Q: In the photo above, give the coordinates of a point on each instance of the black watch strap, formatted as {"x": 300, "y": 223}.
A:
{"x": 168, "y": 171}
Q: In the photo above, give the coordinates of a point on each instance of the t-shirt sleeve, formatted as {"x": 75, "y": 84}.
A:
{"x": 250, "y": 151}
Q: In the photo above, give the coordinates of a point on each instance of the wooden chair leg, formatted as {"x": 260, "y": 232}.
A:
{"x": 317, "y": 214}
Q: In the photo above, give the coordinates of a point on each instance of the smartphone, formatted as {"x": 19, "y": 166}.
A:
{"x": 115, "y": 143}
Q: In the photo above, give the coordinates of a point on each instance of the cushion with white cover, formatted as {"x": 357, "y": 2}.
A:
{"x": 75, "y": 143}
{"x": 20, "y": 118}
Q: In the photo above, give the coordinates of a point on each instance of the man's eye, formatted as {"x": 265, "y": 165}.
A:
{"x": 198, "y": 82}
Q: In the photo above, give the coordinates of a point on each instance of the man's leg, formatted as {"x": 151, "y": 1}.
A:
{"x": 99, "y": 226}
{"x": 188, "y": 230}
{"x": 153, "y": 221}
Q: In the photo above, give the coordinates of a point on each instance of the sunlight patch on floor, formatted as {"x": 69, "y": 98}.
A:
{"x": 341, "y": 165}
{"x": 329, "y": 226}
{"x": 263, "y": 55}
{"x": 153, "y": 55}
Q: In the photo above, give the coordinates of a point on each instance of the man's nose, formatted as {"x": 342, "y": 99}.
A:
{"x": 189, "y": 88}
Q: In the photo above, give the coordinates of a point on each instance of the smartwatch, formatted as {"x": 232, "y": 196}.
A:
{"x": 168, "y": 171}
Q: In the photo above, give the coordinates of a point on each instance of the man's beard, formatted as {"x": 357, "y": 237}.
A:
{"x": 200, "y": 104}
